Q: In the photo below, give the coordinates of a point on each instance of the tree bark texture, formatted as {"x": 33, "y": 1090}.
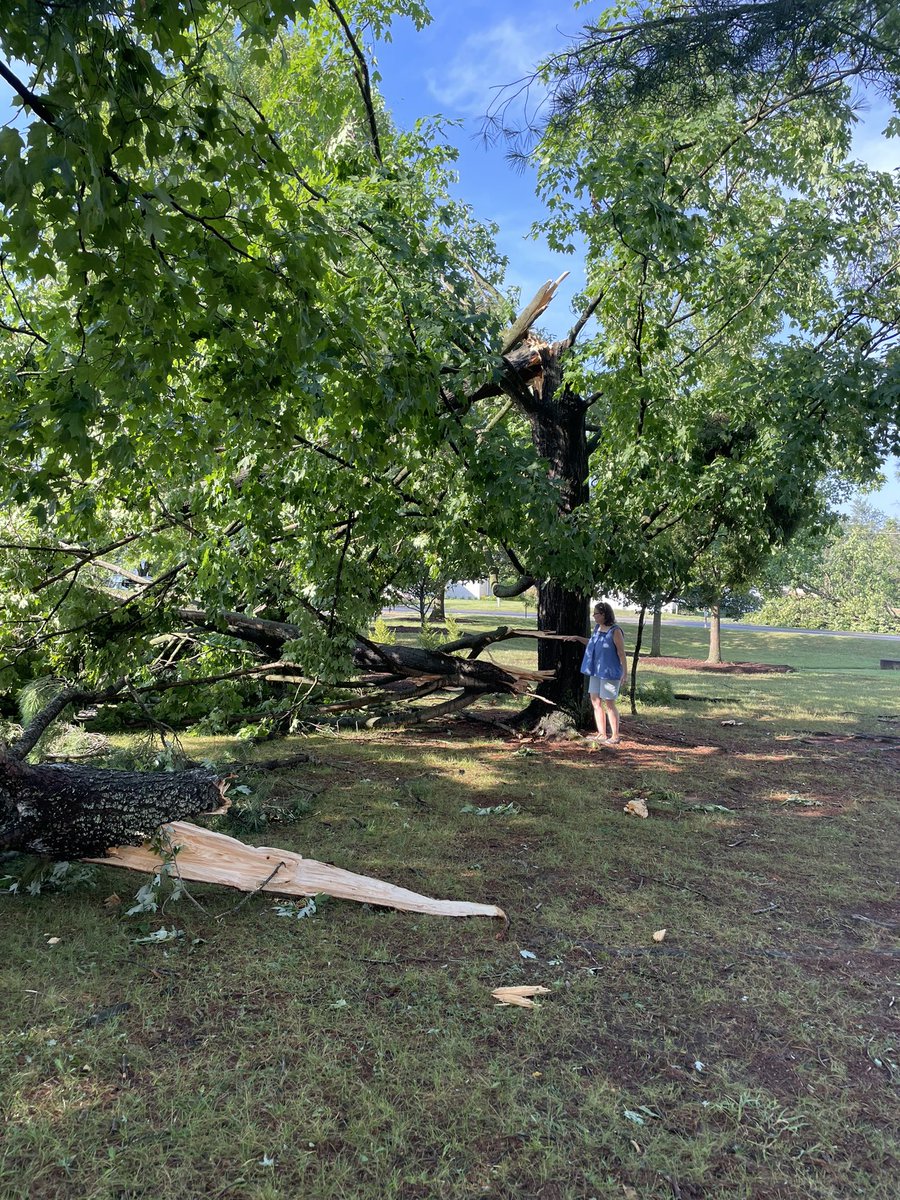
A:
{"x": 563, "y": 610}
{"x": 67, "y": 812}
{"x": 715, "y": 635}
{"x": 559, "y": 435}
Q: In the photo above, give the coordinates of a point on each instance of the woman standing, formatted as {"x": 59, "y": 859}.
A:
{"x": 604, "y": 662}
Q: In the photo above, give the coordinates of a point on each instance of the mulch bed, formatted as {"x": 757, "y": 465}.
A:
{"x": 723, "y": 668}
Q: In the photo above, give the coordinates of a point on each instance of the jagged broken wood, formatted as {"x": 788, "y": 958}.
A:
{"x": 134, "y": 819}
{"x": 203, "y": 856}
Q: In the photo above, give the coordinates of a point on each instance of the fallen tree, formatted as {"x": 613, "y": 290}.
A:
{"x": 134, "y": 819}
{"x": 69, "y": 811}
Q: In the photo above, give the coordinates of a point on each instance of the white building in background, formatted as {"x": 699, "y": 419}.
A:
{"x": 469, "y": 589}
{"x": 480, "y": 589}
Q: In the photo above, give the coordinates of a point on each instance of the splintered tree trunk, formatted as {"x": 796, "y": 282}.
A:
{"x": 559, "y": 435}
{"x": 67, "y": 812}
{"x": 715, "y": 635}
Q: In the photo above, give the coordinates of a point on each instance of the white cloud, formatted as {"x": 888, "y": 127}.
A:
{"x": 490, "y": 59}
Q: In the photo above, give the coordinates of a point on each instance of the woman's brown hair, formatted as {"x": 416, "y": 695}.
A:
{"x": 607, "y": 616}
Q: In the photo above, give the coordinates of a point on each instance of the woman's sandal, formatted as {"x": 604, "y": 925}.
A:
{"x": 613, "y": 741}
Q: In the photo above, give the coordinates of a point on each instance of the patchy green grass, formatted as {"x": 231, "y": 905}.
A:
{"x": 835, "y": 677}
{"x": 752, "y": 1054}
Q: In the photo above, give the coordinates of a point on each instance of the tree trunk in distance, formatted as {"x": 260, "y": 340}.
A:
{"x": 438, "y": 612}
{"x": 715, "y": 635}
{"x": 656, "y": 633}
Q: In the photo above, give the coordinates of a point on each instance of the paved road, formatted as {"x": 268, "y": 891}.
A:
{"x": 683, "y": 622}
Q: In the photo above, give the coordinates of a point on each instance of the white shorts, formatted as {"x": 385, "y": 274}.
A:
{"x": 606, "y": 689}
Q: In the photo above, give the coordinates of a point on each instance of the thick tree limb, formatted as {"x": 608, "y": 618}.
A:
{"x": 476, "y": 642}
{"x": 68, "y": 812}
{"x": 510, "y": 590}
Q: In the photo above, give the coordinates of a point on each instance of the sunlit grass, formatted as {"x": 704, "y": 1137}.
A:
{"x": 358, "y": 1053}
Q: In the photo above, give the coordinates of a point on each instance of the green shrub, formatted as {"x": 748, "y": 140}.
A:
{"x": 430, "y": 637}
{"x": 382, "y": 632}
{"x": 454, "y": 633}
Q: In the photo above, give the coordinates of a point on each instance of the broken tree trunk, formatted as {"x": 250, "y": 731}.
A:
{"x": 557, "y": 419}
{"x": 202, "y": 856}
{"x": 128, "y": 818}
{"x": 67, "y": 812}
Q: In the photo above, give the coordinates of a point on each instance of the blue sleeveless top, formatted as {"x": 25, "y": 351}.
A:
{"x": 600, "y": 655}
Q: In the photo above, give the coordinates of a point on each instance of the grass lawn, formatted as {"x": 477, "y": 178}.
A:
{"x": 753, "y": 1053}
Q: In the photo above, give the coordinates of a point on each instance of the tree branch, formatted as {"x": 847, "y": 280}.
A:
{"x": 362, "y": 79}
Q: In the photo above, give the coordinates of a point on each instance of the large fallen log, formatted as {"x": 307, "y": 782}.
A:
{"x": 132, "y": 819}
{"x": 201, "y": 856}
{"x": 67, "y": 812}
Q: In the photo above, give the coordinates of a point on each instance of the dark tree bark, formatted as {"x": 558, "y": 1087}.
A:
{"x": 67, "y": 812}
{"x": 561, "y": 610}
{"x": 557, "y": 419}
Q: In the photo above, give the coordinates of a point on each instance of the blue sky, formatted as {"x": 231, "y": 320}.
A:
{"x": 455, "y": 66}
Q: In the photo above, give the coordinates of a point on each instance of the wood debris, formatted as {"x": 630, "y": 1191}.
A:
{"x": 202, "y": 856}
{"x": 519, "y": 996}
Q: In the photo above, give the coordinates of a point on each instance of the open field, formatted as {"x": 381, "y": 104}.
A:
{"x": 753, "y": 1054}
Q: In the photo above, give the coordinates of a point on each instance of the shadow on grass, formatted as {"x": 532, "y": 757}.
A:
{"x": 358, "y": 1052}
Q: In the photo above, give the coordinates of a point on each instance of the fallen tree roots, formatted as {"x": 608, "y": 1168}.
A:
{"x": 202, "y": 856}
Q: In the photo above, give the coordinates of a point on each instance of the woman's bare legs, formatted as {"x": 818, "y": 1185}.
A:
{"x": 613, "y": 713}
{"x": 599, "y": 716}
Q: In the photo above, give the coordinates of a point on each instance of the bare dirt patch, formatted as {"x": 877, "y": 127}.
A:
{"x": 722, "y": 668}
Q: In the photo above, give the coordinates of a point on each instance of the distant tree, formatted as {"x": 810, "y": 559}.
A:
{"x": 849, "y": 579}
